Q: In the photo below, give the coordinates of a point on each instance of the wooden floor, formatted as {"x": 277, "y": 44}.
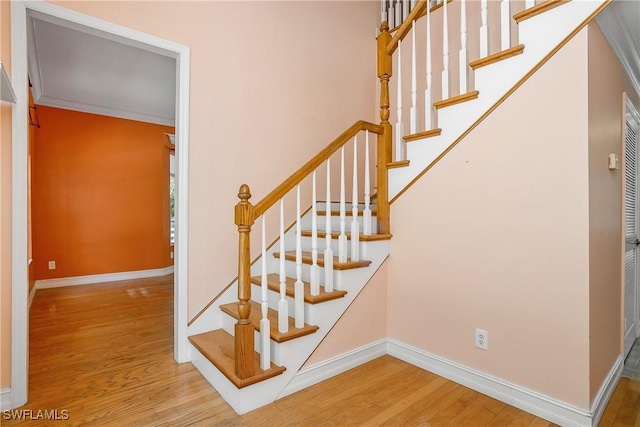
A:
{"x": 102, "y": 354}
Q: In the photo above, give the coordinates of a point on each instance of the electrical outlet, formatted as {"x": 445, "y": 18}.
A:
{"x": 52, "y": 265}
{"x": 171, "y": 254}
{"x": 482, "y": 339}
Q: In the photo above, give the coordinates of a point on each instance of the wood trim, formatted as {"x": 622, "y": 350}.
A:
{"x": 362, "y": 237}
{"x": 499, "y": 56}
{"x": 280, "y": 191}
{"x": 404, "y": 28}
{"x": 273, "y": 283}
{"x": 337, "y": 265}
{"x": 217, "y": 347}
{"x": 421, "y": 135}
{"x": 538, "y": 9}
{"x": 456, "y": 99}
{"x": 232, "y": 309}
{"x": 210, "y": 303}
{"x": 398, "y": 164}
{"x": 505, "y": 96}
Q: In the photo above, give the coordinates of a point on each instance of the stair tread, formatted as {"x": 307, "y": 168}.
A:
{"x": 469, "y": 96}
{"x": 538, "y": 9}
{"x": 496, "y": 57}
{"x": 421, "y": 135}
{"x": 219, "y": 348}
{"x": 398, "y": 164}
{"x": 306, "y": 259}
{"x": 363, "y": 237}
{"x": 256, "y": 314}
{"x": 273, "y": 282}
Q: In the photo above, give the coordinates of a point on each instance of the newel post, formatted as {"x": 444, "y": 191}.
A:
{"x": 385, "y": 72}
{"x": 244, "y": 346}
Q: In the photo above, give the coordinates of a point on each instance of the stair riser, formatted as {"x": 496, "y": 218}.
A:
{"x": 274, "y": 297}
{"x": 336, "y": 206}
{"x": 335, "y": 223}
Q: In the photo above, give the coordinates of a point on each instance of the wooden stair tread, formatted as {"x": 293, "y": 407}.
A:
{"x": 273, "y": 281}
{"x": 398, "y": 164}
{"x": 219, "y": 348}
{"x": 348, "y": 211}
{"x": 421, "y": 135}
{"x": 456, "y": 99}
{"x": 363, "y": 237}
{"x": 306, "y": 259}
{"x": 538, "y": 9}
{"x": 256, "y": 314}
{"x": 498, "y": 56}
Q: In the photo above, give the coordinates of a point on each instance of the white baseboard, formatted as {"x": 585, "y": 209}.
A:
{"x": 314, "y": 374}
{"x": 5, "y": 399}
{"x": 31, "y": 295}
{"x": 606, "y": 390}
{"x": 530, "y": 401}
{"x": 100, "y": 278}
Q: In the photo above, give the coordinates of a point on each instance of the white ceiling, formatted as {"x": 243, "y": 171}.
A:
{"x": 73, "y": 69}
{"x": 620, "y": 23}
{"x": 82, "y": 69}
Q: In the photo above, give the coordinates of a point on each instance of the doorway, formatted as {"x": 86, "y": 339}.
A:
{"x": 631, "y": 303}
{"x": 20, "y": 11}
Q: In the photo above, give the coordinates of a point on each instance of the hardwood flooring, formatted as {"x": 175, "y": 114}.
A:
{"x": 101, "y": 355}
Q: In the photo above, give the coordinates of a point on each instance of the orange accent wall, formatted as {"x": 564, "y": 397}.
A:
{"x": 100, "y": 186}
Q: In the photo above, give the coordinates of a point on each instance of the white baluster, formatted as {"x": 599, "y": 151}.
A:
{"x": 446, "y": 85}
{"x": 366, "y": 214}
{"x": 391, "y": 15}
{"x": 328, "y": 252}
{"x": 399, "y": 130}
{"x": 315, "y": 269}
{"x": 298, "y": 289}
{"x": 529, "y": 3}
{"x": 342, "y": 239}
{"x": 505, "y": 25}
{"x": 428, "y": 97}
{"x": 283, "y": 307}
{"x": 383, "y": 10}
{"x": 413, "y": 112}
{"x": 484, "y": 29}
{"x": 405, "y": 10}
{"x": 265, "y": 328}
{"x": 464, "y": 53}
{"x": 398, "y": 12}
{"x": 355, "y": 226}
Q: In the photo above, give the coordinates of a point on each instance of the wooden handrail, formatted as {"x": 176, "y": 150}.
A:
{"x": 281, "y": 190}
{"x": 404, "y": 28}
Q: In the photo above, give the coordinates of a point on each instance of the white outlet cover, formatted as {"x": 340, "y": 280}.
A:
{"x": 482, "y": 339}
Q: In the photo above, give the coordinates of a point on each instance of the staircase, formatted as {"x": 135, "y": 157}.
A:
{"x": 254, "y": 337}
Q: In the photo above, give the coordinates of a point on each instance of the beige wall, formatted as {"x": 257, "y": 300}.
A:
{"x": 607, "y": 82}
{"x": 363, "y": 323}
{"x": 495, "y": 236}
{"x": 5, "y": 204}
{"x": 271, "y": 84}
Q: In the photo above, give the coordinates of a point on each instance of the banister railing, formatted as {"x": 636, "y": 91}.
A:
{"x": 454, "y": 34}
{"x": 297, "y": 177}
{"x": 246, "y": 215}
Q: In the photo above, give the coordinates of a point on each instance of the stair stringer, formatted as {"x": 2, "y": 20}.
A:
{"x": 291, "y": 354}
{"x": 541, "y": 35}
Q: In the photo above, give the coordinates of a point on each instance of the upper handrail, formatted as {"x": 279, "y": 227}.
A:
{"x": 287, "y": 185}
{"x": 404, "y": 28}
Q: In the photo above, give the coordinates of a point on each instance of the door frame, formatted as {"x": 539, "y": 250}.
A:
{"x": 630, "y": 112}
{"x": 19, "y": 267}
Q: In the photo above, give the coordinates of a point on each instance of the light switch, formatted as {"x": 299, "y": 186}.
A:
{"x": 614, "y": 162}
